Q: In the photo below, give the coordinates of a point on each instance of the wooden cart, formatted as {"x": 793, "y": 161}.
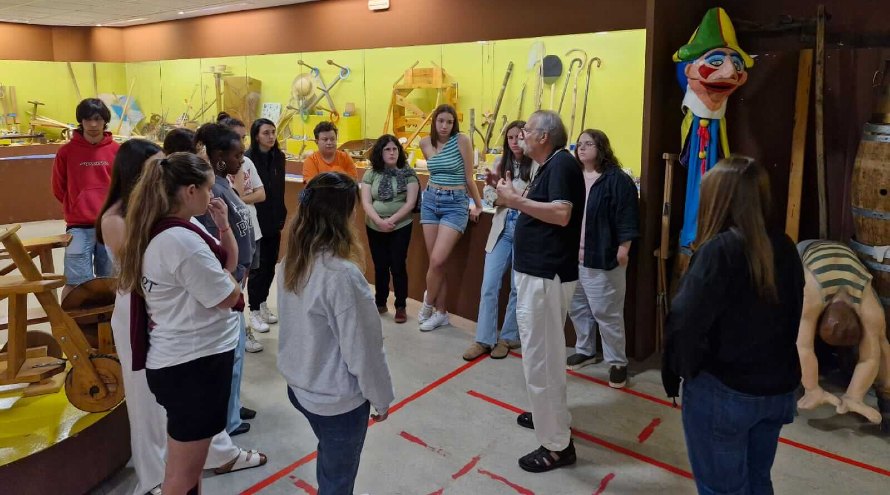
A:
{"x": 94, "y": 382}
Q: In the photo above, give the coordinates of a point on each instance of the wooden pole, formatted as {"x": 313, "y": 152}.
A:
{"x": 663, "y": 252}
{"x": 820, "y": 122}
{"x": 74, "y": 82}
{"x": 497, "y": 108}
{"x": 798, "y": 142}
{"x": 126, "y": 106}
{"x": 95, "y": 81}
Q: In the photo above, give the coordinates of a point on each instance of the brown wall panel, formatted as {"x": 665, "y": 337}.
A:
{"x": 348, "y": 24}
{"x": 25, "y": 42}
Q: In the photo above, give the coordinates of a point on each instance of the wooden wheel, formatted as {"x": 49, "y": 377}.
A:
{"x": 36, "y": 338}
{"x": 84, "y": 397}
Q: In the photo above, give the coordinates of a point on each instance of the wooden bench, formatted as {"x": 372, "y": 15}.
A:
{"x": 41, "y": 248}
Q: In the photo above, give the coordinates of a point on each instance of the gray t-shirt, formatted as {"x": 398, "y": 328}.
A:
{"x": 239, "y": 221}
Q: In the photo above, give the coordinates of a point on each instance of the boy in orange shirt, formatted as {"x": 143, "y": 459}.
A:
{"x": 328, "y": 158}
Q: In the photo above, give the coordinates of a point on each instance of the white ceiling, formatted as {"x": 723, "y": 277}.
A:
{"x": 120, "y": 13}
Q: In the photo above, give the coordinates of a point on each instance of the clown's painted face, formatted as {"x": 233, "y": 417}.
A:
{"x": 716, "y": 75}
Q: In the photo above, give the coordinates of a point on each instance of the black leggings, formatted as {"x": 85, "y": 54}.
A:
{"x": 261, "y": 277}
{"x": 389, "y": 250}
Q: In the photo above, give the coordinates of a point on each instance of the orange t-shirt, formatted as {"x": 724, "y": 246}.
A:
{"x": 315, "y": 165}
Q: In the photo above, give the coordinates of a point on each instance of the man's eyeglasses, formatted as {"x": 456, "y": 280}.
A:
{"x": 529, "y": 130}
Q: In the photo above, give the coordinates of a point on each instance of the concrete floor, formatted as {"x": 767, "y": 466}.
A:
{"x": 453, "y": 431}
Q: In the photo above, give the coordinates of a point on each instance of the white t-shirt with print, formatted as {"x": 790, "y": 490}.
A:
{"x": 252, "y": 181}
{"x": 183, "y": 282}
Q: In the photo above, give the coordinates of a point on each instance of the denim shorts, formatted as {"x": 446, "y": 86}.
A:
{"x": 85, "y": 259}
{"x": 449, "y": 207}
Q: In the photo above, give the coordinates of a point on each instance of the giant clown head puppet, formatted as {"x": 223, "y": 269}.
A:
{"x": 710, "y": 67}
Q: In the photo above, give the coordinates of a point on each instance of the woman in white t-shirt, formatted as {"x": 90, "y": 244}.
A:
{"x": 189, "y": 292}
{"x": 148, "y": 420}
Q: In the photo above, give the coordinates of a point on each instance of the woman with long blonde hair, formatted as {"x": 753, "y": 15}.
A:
{"x": 330, "y": 347}
{"x": 731, "y": 333}
{"x": 180, "y": 280}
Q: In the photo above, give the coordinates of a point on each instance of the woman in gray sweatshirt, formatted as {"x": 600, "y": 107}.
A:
{"x": 330, "y": 347}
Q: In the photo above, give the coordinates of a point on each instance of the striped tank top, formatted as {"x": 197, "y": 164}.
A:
{"x": 447, "y": 167}
{"x": 835, "y": 266}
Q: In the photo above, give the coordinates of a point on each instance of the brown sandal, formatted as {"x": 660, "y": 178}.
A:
{"x": 246, "y": 459}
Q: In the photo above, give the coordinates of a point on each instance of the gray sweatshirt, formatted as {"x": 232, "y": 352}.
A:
{"x": 239, "y": 222}
{"x": 330, "y": 344}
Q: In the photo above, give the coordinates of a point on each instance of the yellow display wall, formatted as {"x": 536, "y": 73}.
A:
{"x": 170, "y": 88}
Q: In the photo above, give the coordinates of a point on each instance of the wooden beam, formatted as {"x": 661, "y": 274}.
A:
{"x": 798, "y": 142}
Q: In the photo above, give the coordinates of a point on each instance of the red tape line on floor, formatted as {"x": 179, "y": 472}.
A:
{"x": 802, "y": 446}
{"x": 402, "y": 403}
{"x": 592, "y": 439}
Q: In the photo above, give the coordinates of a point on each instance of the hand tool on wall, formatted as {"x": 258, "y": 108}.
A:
{"x": 663, "y": 252}
{"x": 74, "y": 81}
{"x": 587, "y": 87}
{"x": 392, "y": 100}
{"x": 325, "y": 89}
{"x": 798, "y": 142}
{"x": 536, "y": 63}
{"x": 497, "y": 108}
{"x": 575, "y": 102}
{"x": 820, "y": 122}
{"x": 582, "y": 61}
{"x": 552, "y": 70}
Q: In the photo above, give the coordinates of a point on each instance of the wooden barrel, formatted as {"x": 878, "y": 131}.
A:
{"x": 871, "y": 205}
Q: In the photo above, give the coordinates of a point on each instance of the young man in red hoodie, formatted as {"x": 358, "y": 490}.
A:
{"x": 81, "y": 177}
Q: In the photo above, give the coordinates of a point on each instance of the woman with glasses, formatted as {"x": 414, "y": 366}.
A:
{"x": 731, "y": 333}
{"x": 445, "y": 208}
{"x": 328, "y": 158}
{"x": 499, "y": 253}
{"x": 611, "y": 222}
{"x": 388, "y": 198}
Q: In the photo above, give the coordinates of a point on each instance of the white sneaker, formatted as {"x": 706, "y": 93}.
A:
{"x": 256, "y": 322}
{"x": 156, "y": 490}
{"x": 426, "y": 310}
{"x": 438, "y": 319}
{"x": 267, "y": 315}
{"x": 252, "y": 345}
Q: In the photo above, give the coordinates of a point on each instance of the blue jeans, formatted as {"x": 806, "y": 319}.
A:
{"x": 496, "y": 263}
{"x": 449, "y": 207}
{"x": 237, "y": 369}
{"x": 340, "y": 442}
{"x": 85, "y": 259}
{"x": 732, "y": 437}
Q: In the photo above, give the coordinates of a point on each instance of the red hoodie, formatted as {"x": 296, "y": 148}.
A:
{"x": 81, "y": 177}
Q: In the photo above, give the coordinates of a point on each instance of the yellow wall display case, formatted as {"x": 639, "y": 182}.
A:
{"x": 359, "y": 85}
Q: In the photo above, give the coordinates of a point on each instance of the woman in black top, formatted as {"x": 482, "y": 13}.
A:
{"x": 731, "y": 334}
{"x": 269, "y": 162}
{"x": 611, "y": 223}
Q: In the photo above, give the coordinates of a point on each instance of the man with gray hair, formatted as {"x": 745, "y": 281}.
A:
{"x": 545, "y": 265}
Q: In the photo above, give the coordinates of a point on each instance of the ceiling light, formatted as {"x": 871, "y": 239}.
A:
{"x": 215, "y": 7}
{"x": 127, "y": 21}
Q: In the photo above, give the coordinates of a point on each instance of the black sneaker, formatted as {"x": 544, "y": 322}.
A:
{"x": 617, "y": 376}
{"x": 541, "y": 460}
{"x": 578, "y": 361}
{"x": 247, "y": 413}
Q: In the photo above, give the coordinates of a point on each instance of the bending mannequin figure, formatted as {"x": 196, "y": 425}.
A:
{"x": 843, "y": 307}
